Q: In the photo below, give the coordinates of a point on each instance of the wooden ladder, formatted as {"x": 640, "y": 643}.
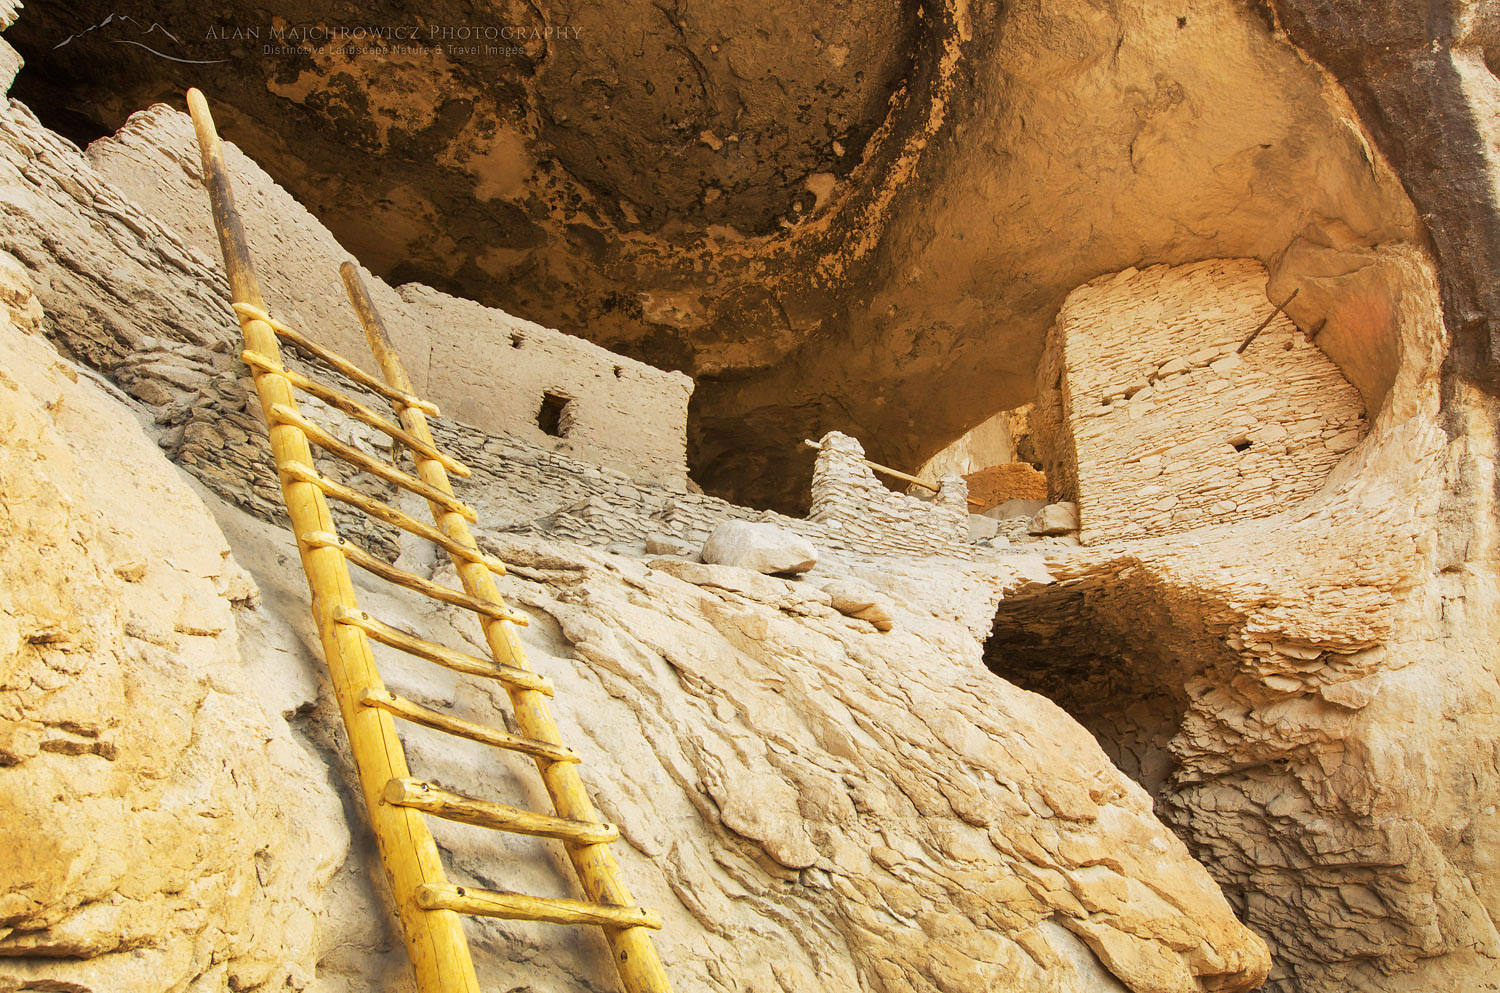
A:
{"x": 427, "y": 904}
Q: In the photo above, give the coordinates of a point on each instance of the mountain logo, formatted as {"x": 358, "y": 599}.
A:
{"x": 145, "y": 32}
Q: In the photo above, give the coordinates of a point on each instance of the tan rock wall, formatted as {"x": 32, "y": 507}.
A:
{"x": 161, "y": 828}
{"x": 1312, "y": 695}
{"x": 999, "y": 483}
{"x": 1160, "y": 425}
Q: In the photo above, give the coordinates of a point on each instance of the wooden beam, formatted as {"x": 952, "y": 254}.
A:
{"x": 897, "y": 473}
{"x": 434, "y": 937}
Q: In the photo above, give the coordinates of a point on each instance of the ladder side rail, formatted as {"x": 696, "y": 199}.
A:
{"x": 434, "y": 938}
{"x": 635, "y": 955}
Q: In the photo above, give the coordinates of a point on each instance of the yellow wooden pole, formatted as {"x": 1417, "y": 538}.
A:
{"x": 434, "y": 938}
{"x": 635, "y": 956}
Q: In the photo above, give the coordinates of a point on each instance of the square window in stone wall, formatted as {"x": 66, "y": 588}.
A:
{"x": 1149, "y": 417}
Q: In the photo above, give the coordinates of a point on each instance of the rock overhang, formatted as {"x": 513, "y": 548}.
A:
{"x": 879, "y": 249}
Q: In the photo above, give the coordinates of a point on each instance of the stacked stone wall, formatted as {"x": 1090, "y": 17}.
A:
{"x": 482, "y": 365}
{"x": 1150, "y": 416}
{"x": 212, "y": 426}
{"x": 849, "y": 501}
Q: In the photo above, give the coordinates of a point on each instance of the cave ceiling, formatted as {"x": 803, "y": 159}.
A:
{"x": 840, "y": 214}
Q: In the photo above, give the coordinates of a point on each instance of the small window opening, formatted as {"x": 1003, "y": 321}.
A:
{"x": 556, "y": 414}
{"x": 1241, "y": 444}
{"x": 619, "y": 371}
{"x": 516, "y": 341}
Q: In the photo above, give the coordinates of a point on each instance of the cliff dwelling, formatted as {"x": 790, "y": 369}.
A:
{"x": 732, "y": 498}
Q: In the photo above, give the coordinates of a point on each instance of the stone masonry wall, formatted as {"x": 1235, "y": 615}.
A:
{"x": 1162, "y": 427}
{"x": 848, "y": 499}
{"x": 212, "y": 427}
{"x": 482, "y": 365}
{"x": 497, "y": 369}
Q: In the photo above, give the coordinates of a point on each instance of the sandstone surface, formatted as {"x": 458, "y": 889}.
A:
{"x": 819, "y": 784}
{"x": 162, "y": 825}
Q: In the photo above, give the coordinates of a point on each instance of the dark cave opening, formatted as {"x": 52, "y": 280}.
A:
{"x": 1109, "y": 654}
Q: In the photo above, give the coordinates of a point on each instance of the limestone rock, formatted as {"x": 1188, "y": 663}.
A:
{"x": 666, "y": 545}
{"x": 762, "y": 547}
{"x": 771, "y": 765}
{"x": 1055, "y": 519}
{"x": 854, "y": 599}
{"x": 161, "y": 828}
{"x": 1300, "y": 692}
{"x": 981, "y": 528}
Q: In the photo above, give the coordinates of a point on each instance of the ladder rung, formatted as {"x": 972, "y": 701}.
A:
{"x": 439, "y": 802}
{"x": 409, "y": 580}
{"x": 516, "y": 907}
{"x": 283, "y": 414}
{"x": 336, "y": 360}
{"x": 427, "y": 717}
{"x": 389, "y": 514}
{"x": 441, "y": 654}
{"x": 355, "y": 409}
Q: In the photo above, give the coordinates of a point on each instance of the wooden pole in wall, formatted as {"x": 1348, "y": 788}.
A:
{"x": 1280, "y": 307}
{"x": 635, "y": 956}
{"x": 897, "y": 473}
{"x": 434, "y": 938}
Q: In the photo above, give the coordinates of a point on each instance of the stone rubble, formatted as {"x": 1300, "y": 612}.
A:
{"x": 1055, "y": 519}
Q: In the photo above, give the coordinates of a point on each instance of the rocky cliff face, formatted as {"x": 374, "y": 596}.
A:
{"x": 162, "y": 826}
{"x": 1309, "y": 699}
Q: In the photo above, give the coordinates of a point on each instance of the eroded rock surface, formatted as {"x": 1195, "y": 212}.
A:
{"x": 162, "y": 828}
{"x": 812, "y": 803}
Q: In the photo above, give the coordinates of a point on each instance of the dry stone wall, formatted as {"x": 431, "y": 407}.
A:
{"x": 1157, "y": 422}
{"x": 552, "y": 390}
{"x": 211, "y": 425}
{"x": 847, "y": 499}
{"x": 484, "y": 366}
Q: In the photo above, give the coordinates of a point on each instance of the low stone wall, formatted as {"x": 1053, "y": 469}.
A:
{"x": 848, "y": 500}
{"x": 213, "y": 428}
{"x": 1154, "y": 423}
